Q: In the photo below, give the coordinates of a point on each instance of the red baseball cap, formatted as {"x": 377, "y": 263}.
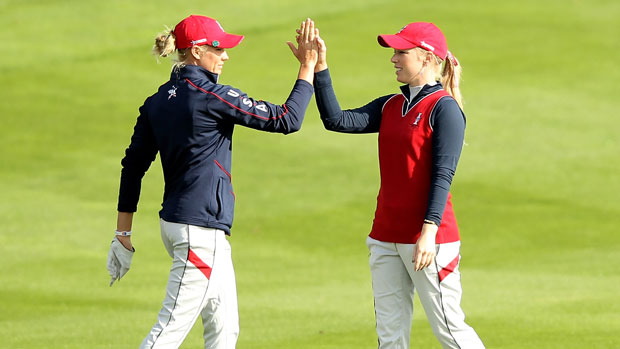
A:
{"x": 418, "y": 34}
{"x": 201, "y": 30}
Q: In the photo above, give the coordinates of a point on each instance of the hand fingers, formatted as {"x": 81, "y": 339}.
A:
{"x": 307, "y": 30}
{"x": 302, "y": 31}
{"x": 418, "y": 264}
{"x": 320, "y": 42}
{"x": 415, "y": 260}
{"x": 423, "y": 259}
{"x": 311, "y": 31}
{"x": 113, "y": 268}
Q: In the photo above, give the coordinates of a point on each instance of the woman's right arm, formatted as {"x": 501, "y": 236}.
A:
{"x": 231, "y": 104}
{"x": 366, "y": 119}
{"x": 138, "y": 158}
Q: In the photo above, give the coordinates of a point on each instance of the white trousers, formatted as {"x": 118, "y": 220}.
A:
{"x": 394, "y": 282}
{"x": 201, "y": 282}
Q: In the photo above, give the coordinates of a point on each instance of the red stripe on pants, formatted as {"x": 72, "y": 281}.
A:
{"x": 449, "y": 268}
{"x": 204, "y": 268}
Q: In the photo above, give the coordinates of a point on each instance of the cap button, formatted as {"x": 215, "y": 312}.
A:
{"x": 215, "y": 43}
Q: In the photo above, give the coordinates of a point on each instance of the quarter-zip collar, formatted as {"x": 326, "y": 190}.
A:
{"x": 193, "y": 72}
{"x": 410, "y": 101}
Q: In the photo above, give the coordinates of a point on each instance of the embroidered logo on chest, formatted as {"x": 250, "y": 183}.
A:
{"x": 417, "y": 120}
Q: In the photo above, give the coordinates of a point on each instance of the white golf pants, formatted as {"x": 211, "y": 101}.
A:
{"x": 201, "y": 282}
{"x": 394, "y": 282}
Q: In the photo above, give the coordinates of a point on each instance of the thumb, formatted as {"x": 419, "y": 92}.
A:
{"x": 292, "y": 47}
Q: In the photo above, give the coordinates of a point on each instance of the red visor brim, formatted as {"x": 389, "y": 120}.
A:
{"x": 395, "y": 41}
{"x": 230, "y": 41}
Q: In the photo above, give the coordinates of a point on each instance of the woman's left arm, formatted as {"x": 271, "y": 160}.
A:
{"x": 448, "y": 123}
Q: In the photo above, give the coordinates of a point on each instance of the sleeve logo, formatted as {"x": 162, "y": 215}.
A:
{"x": 246, "y": 101}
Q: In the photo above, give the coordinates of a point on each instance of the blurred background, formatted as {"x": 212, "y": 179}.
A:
{"x": 536, "y": 191}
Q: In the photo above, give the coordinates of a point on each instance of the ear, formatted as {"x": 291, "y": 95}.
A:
{"x": 427, "y": 58}
{"x": 195, "y": 52}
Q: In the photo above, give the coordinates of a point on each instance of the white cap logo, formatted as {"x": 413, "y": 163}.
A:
{"x": 427, "y": 46}
{"x": 194, "y": 42}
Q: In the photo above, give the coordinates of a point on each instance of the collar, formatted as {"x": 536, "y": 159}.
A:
{"x": 193, "y": 72}
{"x": 411, "y": 101}
{"x": 426, "y": 90}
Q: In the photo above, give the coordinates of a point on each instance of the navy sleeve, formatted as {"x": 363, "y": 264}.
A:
{"x": 234, "y": 105}
{"x": 366, "y": 119}
{"x": 138, "y": 158}
{"x": 448, "y": 123}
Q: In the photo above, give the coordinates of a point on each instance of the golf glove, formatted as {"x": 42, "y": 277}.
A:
{"x": 119, "y": 260}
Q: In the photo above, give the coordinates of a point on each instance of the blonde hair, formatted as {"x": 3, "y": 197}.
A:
{"x": 165, "y": 45}
{"x": 449, "y": 76}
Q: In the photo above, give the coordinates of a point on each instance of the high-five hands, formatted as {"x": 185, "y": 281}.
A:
{"x": 306, "y": 51}
{"x": 322, "y": 50}
{"x": 321, "y": 64}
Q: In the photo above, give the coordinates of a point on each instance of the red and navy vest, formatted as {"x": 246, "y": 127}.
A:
{"x": 405, "y": 161}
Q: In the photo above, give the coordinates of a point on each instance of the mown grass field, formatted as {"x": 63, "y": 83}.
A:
{"x": 536, "y": 192}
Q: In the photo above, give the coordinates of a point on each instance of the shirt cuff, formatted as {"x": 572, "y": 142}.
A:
{"x": 322, "y": 79}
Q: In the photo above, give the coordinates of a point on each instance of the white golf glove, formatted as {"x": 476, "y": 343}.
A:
{"x": 119, "y": 260}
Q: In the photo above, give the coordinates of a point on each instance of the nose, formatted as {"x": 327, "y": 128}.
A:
{"x": 225, "y": 56}
{"x": 393, "y": 59}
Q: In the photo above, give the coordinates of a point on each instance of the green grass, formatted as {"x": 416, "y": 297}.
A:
{"x": 536, "y": 192}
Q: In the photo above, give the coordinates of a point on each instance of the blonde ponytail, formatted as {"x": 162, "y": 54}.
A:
{"x": 164, "y": 44}
{"x": 451, "y": 78}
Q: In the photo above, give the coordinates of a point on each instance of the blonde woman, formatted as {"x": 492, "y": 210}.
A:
{"x": 414, "y": 242}
{"x": 189, "y": 121}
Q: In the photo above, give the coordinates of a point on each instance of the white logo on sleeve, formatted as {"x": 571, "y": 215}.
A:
{"x": 172, "y": 92}
{"x": 247, "y": 101}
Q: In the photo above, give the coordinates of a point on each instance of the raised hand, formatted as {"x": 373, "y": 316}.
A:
{"x": 322, "y": 50}
{"x": 306, "y": 51}
{"x": 322, "y": 60}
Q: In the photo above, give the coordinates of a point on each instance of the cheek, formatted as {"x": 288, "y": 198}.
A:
{"x": 411, "y": 66}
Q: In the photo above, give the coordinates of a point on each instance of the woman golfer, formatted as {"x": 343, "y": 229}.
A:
{"x": 414, "y": 242}
{"x": 190, "y": 122}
